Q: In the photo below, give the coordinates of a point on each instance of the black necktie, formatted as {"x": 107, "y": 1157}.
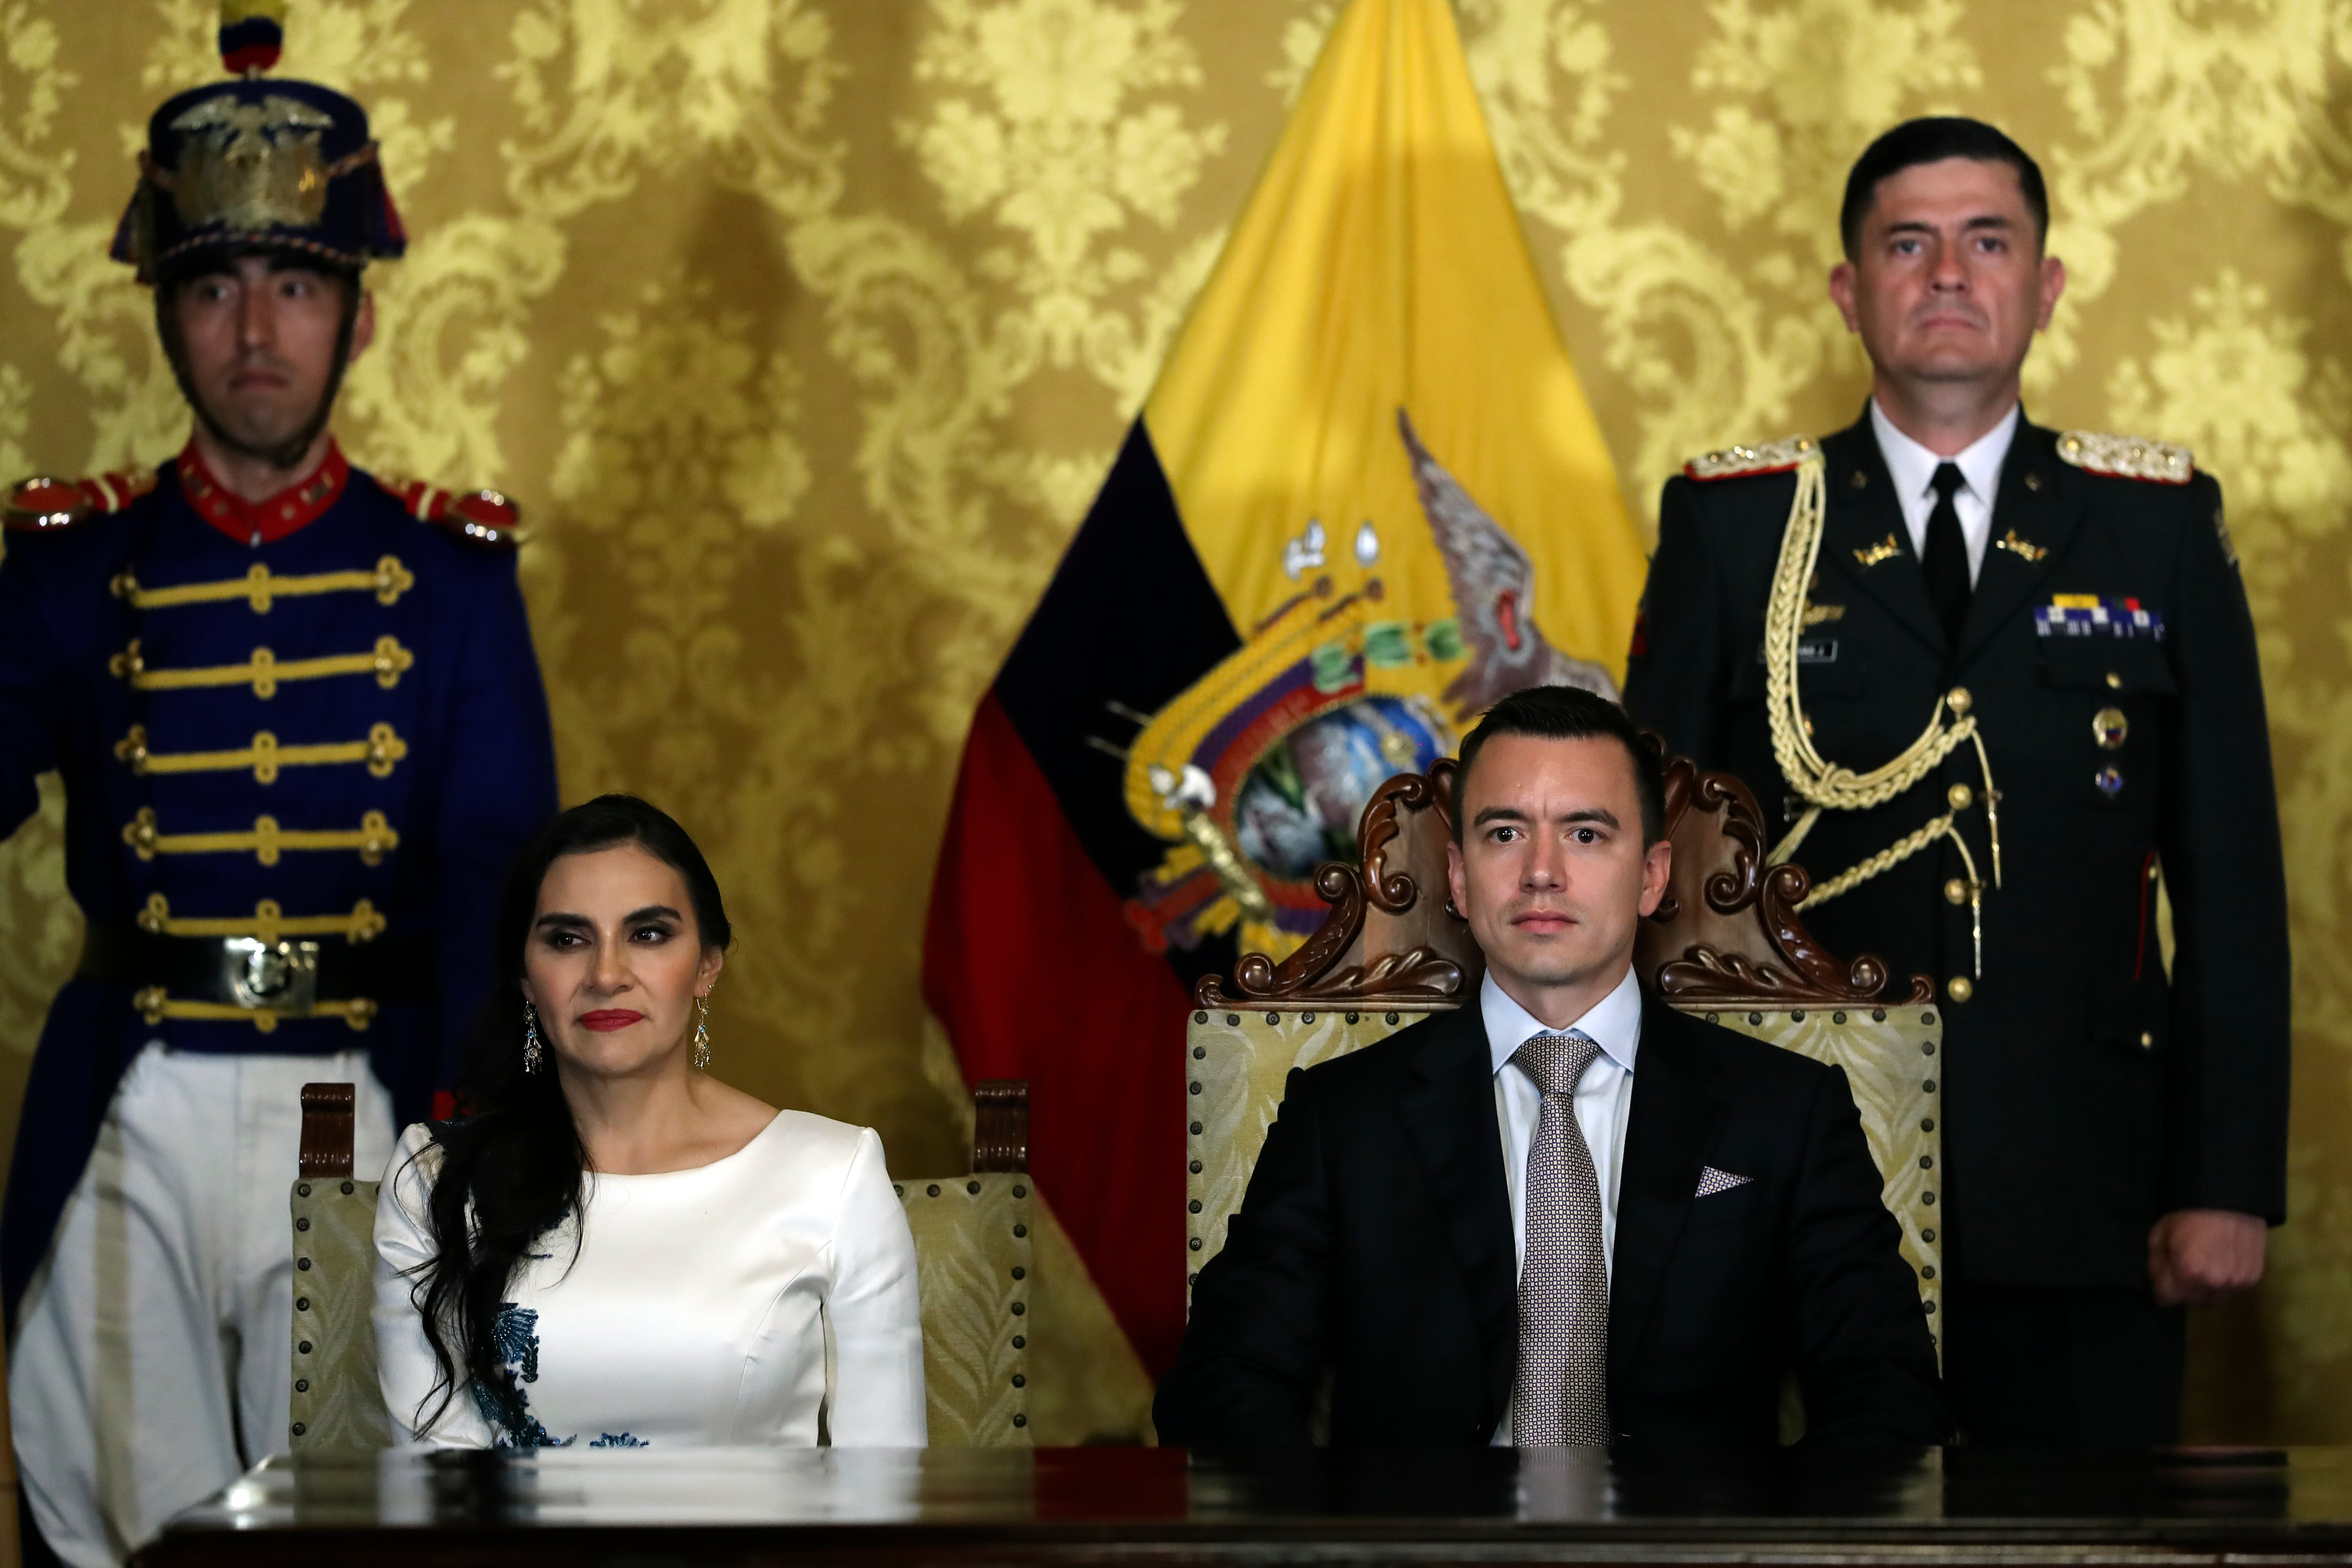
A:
{"x": 1945, "y": 560}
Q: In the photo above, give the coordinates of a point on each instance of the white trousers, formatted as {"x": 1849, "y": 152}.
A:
{"x": 153, "y": 1354}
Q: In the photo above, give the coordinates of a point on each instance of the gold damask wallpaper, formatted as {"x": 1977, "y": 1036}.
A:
{"x": 804, "y": 329}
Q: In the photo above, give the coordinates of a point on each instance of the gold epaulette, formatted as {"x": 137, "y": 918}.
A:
{"x": 2127, "y": 456}
{"x": 484, "y": 516}
{"x": 42, "y": 505}
{"x": 1737, "y": 462}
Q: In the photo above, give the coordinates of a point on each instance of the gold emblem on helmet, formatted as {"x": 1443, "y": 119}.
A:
{"x": 251, "y": 166}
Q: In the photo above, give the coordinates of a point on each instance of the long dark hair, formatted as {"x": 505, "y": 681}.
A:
{"x": 511, "y": 1165}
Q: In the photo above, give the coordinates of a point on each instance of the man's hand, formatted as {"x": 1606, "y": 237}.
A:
{"x": 2196, "y": 1257}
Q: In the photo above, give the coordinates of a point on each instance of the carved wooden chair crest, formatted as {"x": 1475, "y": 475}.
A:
{"x": 1725, "y": 943}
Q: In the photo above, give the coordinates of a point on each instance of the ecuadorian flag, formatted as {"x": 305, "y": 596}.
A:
{"x": 1365, "y": 499}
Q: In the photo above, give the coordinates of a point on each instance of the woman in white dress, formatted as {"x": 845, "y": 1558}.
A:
{"x": 615, "y": 1249}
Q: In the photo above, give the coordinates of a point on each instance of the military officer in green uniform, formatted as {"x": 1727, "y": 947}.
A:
{"x": 1996, "y": 687}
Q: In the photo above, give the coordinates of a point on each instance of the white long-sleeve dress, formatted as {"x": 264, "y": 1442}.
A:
{"x": 727, "y": 1304}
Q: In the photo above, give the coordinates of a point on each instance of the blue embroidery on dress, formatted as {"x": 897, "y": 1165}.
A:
{"x": 515, "y": 1331}
{"x": 619, "y": 1440}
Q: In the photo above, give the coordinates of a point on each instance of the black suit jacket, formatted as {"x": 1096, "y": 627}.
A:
{"x": 1373, "y": 1249}
{"x": 2083, "y": 1094}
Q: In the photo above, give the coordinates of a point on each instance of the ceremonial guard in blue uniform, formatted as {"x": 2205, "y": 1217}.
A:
{"x": 301, "y": 735}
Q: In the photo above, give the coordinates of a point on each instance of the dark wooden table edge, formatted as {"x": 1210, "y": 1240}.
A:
{"x": 2012, "y": 1544}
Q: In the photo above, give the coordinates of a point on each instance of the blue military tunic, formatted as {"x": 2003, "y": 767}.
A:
{"x": 335, "y": 735}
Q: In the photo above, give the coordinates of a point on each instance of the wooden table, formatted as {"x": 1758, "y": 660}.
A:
{"x": 1158, "y": 1506}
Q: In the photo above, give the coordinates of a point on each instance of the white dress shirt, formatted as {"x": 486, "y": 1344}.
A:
{"x": 1913, "y": 468}
{"x": 1604, "y": 1099}
{"x": 725, "y": 1304}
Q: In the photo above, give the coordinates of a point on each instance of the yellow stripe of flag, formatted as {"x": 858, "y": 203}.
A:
{"x": 1379, "y": 267}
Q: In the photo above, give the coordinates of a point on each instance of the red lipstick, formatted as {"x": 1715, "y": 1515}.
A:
{"x": 605, "y": 1021}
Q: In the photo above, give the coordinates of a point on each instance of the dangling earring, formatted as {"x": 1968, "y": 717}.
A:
{"x": 533, "y": 1052}
{"x": 702, "y": 1032}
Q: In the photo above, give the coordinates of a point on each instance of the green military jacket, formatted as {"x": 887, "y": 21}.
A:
{"x": 2108, "y": 661}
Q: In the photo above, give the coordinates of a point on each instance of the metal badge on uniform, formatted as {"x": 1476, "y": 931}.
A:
{"x": 2097, "y": 615}
{"x": 2110, "y": 728}
{"x": 1810, "y": 651}
{"x": 2110, "y": 782}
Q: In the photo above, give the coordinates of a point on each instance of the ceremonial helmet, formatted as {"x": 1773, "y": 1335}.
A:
{"x": 258, "y": 163}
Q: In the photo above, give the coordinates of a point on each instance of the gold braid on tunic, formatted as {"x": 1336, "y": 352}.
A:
{"x": 1826, "y": 786}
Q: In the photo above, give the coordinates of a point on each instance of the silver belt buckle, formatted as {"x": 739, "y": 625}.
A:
{"x": 276, "y": 976}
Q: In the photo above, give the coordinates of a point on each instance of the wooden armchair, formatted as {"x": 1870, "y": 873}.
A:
{"x": 1725, "y": 943}
{"x": 972, "y": 1257}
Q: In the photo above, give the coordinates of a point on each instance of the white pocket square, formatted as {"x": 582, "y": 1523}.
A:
{"x": 1712, "y": 1181}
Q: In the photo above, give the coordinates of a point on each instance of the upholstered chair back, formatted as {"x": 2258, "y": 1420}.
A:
{"x": 975, "y": 1259}
{"x": 337, "y": 1401}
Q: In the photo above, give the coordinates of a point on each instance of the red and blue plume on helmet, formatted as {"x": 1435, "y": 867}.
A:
{"x": 251, "y": 34}
{"x": 258, "y": 163}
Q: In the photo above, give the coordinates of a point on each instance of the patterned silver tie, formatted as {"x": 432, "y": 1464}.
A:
{"x": 1562, "y": 1394}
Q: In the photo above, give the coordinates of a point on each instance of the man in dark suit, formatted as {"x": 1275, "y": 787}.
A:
{"x": 1568, "y": 1214}
{"x": 2063, "y": 614}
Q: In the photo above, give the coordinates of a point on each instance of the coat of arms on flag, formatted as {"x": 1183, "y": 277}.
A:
{"x": 1365, "y": 499}
{"x": 1259, "y": 771}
